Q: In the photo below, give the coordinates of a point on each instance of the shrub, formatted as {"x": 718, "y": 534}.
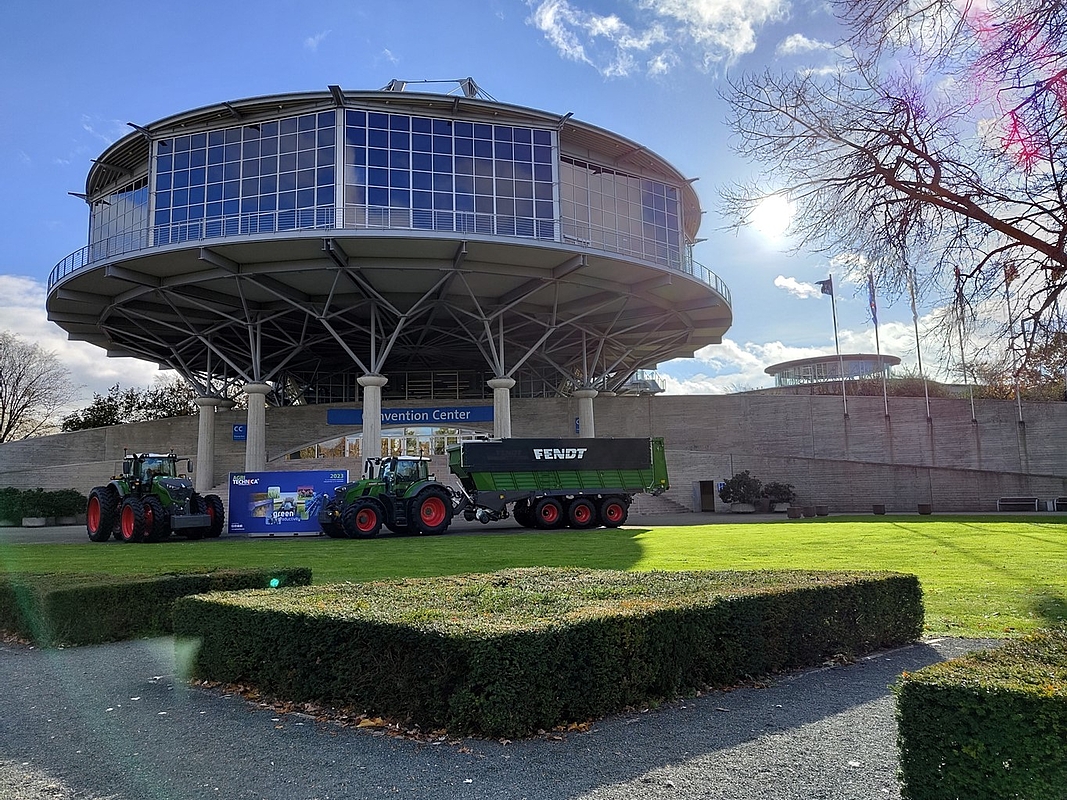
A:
{"x": 741, "y": 488}
{"x": 60, "y": 609}
{"x": 779, "y": 492}
{"x": 989, "y": 725}
{"x": 516, "y": 651}
{"x": 10, "y": 503}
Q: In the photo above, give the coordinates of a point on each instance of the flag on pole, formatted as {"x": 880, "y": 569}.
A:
{"x": 870, "y": 297}
{"x": 826, "y": 286}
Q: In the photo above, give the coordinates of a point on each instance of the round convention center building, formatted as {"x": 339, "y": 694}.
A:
{"x": 388, "y": 248}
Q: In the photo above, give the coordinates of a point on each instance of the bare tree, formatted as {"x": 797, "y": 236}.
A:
{"x": 937, "y": 145}
{"x": 33, "y": 388}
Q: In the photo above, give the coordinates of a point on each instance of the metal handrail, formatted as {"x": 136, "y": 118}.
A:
{"x": 563, "y": 229}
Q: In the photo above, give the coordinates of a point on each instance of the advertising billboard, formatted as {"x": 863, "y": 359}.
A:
{"x": 280, "y": 503}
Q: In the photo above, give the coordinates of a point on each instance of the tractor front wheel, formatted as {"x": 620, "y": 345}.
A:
{"x": 362, "y": 519}
{"x": 214, "y": 509}
{"x": 101, "y": 513}
{"x": 131, "y": 520}
{"x": 156, "y": 525}
{"x": 433, "y": 510}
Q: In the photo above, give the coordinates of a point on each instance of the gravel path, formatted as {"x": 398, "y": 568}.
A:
{"x": 115, "y": 722}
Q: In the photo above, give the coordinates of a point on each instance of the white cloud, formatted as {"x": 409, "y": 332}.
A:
{"x": 711, "y": 31}
{"x": 797, "y": 288}
{"x": 22, "y": 309}
{"x": 797, "y": 43}
{"x": 312, "y": 42}
{"x": 388, "y": 55}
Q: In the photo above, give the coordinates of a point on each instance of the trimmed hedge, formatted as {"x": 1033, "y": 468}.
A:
{"x": 59, "y": 609}
{"x": 988, "y": 726}
{"x": 512, "y": 652}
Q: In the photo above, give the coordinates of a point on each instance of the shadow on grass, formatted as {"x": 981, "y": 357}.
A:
{"x": 1051, "y": 608}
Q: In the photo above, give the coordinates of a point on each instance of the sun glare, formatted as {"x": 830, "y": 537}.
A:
{"x": 772, "y": 216}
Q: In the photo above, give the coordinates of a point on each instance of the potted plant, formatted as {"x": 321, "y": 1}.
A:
{"x": 10, "y": 507}
{"x": 780, "y": 495}
{"x": 741, "y": 492}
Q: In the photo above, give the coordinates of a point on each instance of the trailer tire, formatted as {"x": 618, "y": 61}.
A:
{"x": 156, "y": 524}
{"x": 581, "y": 513}
{"x": 101, "y": 513}
{"x": 613, "y": 512}
{"x": 131, "y": 520}
{"x": 548, "y": 513}
{"x": 433, "y": 511}
{"x": 362, "y": 519}
{"x": 522, "y": 513}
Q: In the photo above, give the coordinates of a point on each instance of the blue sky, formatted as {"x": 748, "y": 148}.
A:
{"x": 650, "y": 70}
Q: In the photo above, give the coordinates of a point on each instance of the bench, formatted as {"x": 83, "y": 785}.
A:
{"x": 1018, "y": 504}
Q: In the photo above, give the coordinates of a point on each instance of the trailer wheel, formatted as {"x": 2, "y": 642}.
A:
{"x": 101, "y": 513}
{"x": 522, "y": 513}
{"x": 131, "y": 520}
{"x": 433, "y": 510}
{"x": 613, "y": 512}
{"x": 548, "y": 513}
{"x": 581, "y": 514}
{"x": 362, "y": 519}
{"x": 212, "y": 504}
{"x": 156, "y": 526}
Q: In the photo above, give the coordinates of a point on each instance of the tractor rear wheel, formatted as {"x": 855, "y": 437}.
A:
{"x": 156, "y": 524}
{"x": 581, "y": 514}
{"x": 548, "y": 513}
{"x": 613, "y": 512}
{"x": 101, "y": 513}
{"x": 433, "y": 510}
{"x": 362, "y": 519}
{"x": 131, "y": 520}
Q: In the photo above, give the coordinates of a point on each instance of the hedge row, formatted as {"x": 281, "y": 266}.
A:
{"x": 18, "y": 503}
{"x": 989, "y": 725}
{"x": 60, "y": 609}
{"x": 512, "y": 652}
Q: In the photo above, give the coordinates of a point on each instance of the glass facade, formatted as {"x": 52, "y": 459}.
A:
{"x": 357, "y": 168}
{"x": 439, "y": 174}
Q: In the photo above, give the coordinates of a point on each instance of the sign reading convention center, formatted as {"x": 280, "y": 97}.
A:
{"x": 443, "y": 415}
{"x": 280, "y": 503}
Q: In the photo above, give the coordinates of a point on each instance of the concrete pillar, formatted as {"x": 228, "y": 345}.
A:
{"x": 205, "y": 445}
{"x": 585, "y": 397}
{"x": 256, "y": 443}
{"x": 372, "y": 414}
{"x": 501, "y": 406}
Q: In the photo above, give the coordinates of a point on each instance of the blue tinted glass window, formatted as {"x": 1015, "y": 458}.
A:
{"x": 377, "y": 157}
{"x": 522, "y": 135}
{"x": 378, "y": 120}
{"x": 422, "y": 180}
{"x": 421, "y": 125}
{"x": 378, "y": 138}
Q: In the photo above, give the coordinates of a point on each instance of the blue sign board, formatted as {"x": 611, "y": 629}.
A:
{"x": 280, "y": 503}
{"x": 449, "y": 416}
{"x": 240, "y": 433}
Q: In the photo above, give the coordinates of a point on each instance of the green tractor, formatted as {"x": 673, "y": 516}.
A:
{"x": 398, "y": 492}
{"x": 149, "y": 501}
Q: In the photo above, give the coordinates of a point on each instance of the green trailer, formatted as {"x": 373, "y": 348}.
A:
{"x": 550, "y": 483}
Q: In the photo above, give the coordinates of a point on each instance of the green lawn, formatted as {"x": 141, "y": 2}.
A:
{"x": 982, "y": 575}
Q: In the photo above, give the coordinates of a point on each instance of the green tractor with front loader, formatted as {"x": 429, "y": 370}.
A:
{"x": 398, "y": 492}
{"x": 150, "y": 500}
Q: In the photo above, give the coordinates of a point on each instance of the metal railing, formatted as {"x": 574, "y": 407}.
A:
{"x": 565, "y": 230}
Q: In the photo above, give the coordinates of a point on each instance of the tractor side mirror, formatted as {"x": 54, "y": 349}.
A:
{"x": 189, "y": 466}
{"x": 127, "y": 467}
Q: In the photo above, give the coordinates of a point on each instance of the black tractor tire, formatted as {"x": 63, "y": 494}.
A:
{"x": 548, "y": 513}
{"x": 362, "y": 518}
{"x": 581, "y": 513}
{"x": 101, "y": 513}
{"x": 523, "y": 513}
{"x": 432, "y": 511}
{"x": 131, "y": 520}
{"x": 613, "y": 512}
{"x": 402, "y": 530}
{"x": 156, "y": 522}
{"x": 217, "y": 512}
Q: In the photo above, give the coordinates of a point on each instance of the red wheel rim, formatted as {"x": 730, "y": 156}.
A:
{"x": 613, "y": 512}
{"x": 582, "y": 513}
{"x": 433, "y": 511}
{"x": 149, "y": 517}
{"x": 92, "y": 515}
{"x": 549, "y": 513}
{"x": 366, "y": 519}
{"x": 127, "y": 522}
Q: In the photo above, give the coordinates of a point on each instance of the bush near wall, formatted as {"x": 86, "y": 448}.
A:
{"x": 59, "y": 609}
{"x": 988, "y": 726}
{"x": 18, "y": 503}
{"x": 512, "y": 652}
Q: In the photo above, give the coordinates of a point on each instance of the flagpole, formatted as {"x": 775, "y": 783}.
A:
{"x": 877, "y": 345}
{"x": 918, "y": 347}
{"x": 827, "y": 287}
